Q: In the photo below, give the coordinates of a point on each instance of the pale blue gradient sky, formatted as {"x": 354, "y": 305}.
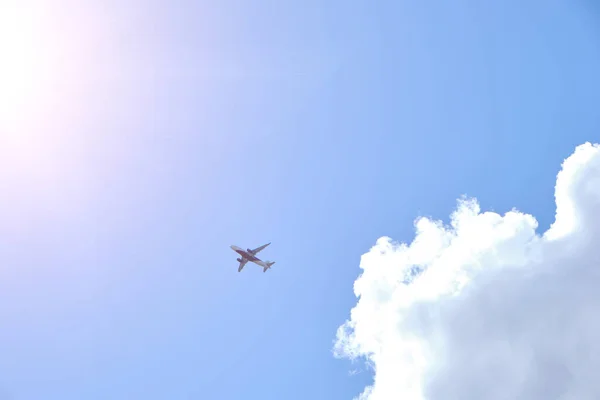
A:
{"x": 172, "y": 130}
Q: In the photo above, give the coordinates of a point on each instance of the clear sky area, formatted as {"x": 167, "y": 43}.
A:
{"x": 139, "y": 140}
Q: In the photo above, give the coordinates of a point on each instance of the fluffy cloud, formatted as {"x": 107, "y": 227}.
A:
{"x": 486, "y": 308}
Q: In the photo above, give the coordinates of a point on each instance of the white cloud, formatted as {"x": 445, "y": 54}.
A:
{"x": 497, "y": 311}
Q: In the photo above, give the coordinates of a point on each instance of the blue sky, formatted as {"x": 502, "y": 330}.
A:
{"x": 191, "y": 126}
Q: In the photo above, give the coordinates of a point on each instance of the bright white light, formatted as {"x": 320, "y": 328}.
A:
{"x": 17, "y": 70}
{"x": 27, "y": 55}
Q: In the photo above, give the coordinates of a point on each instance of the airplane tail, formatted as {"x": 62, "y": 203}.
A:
{"x": 269, "y": 263}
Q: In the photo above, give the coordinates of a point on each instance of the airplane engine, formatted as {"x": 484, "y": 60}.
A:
{"x": 249, "y": 251}
{"x": 239, "y": 260}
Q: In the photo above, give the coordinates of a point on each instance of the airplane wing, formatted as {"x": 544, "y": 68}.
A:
{"x": 256, "y": 250}
{"x": 242, "y": 263}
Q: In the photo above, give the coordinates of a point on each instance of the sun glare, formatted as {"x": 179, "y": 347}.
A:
{"x": 17, "y": 70}
{"x": 25, "y": 65}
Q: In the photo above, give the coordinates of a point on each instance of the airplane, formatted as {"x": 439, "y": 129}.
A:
{"x": 250, "y": 255}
